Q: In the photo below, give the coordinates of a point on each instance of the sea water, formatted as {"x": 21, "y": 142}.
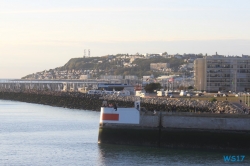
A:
{"x": 33, "y": 134}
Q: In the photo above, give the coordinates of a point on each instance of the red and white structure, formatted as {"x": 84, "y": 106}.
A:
{"x": 121, "y": 115}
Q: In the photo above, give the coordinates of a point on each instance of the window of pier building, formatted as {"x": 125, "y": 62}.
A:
{"x": 226, "y": 61}
{"x": 226, "y": 66}
{"x": 214, "y": 71}
{"x": 243, "y": 71}
{"x": 243, "y": 61}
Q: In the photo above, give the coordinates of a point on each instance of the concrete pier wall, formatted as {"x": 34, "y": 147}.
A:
{"x": 202, "y": 122}
{"x": 197, "y": 121}
{"x": 149, "y": 120}
{"x": 182, "y": 131}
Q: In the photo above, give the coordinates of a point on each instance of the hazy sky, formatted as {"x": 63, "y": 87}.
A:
{"x": 44, "y": 34}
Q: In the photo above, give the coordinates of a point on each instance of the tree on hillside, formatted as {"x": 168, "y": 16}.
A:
{"x": 152, "y": 86}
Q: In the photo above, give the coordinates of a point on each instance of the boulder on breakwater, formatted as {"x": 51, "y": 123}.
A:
{"x": 76, "y": 100}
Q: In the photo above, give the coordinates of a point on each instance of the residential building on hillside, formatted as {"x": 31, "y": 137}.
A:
{"x": 159, "y": 66}
{"x": 148, "y": 56}
{"x": 84, "y": 77}
{"x": 222, "y": 73}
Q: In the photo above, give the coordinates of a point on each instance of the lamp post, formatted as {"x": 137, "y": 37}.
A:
{"x": 200, "y": 84}
{"x": 248, "y": 100}
{"x": 245, "y": 99}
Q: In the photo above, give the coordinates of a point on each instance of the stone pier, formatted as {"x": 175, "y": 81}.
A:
{"x": 182, "y": 130}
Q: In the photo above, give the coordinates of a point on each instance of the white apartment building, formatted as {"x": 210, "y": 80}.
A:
{"x": 222, "y": 73}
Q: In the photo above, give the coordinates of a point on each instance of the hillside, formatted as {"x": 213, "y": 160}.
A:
{"x": 111, "y": 65}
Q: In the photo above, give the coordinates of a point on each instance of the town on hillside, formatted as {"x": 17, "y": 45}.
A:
{"x": 201, "y": 72}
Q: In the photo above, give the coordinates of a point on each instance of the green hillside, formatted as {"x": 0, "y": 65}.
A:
{"x": 114, "y": 66}
{"x": 111, "y": 65}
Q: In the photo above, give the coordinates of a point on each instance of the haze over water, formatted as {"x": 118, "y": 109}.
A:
{"x": 33, "y": 134}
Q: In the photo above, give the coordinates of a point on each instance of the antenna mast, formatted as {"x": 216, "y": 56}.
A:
{"x": 84, "y": 53}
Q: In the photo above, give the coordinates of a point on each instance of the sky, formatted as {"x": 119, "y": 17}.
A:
{"x": 44, "y": 34}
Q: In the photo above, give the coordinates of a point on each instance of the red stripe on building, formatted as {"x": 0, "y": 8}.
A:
{"x": 110, "y": 117}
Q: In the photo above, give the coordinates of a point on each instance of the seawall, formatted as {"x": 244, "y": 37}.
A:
{"x": 72, "y": 100}
{"x": 66, "y": 100}
{"x": 77, "y": 100}
{"x": 182, "y": 130}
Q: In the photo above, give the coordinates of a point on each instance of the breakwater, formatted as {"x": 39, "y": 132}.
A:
{"x": 77, "y": 100}
{"x": 73, "y": 100}
{"x": 181, "y": 130}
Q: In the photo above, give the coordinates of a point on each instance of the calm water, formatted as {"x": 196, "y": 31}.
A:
{"x": 32, "y": 134}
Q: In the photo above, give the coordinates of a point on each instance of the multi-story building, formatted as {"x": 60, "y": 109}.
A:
{"x": 222, "y": 73}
